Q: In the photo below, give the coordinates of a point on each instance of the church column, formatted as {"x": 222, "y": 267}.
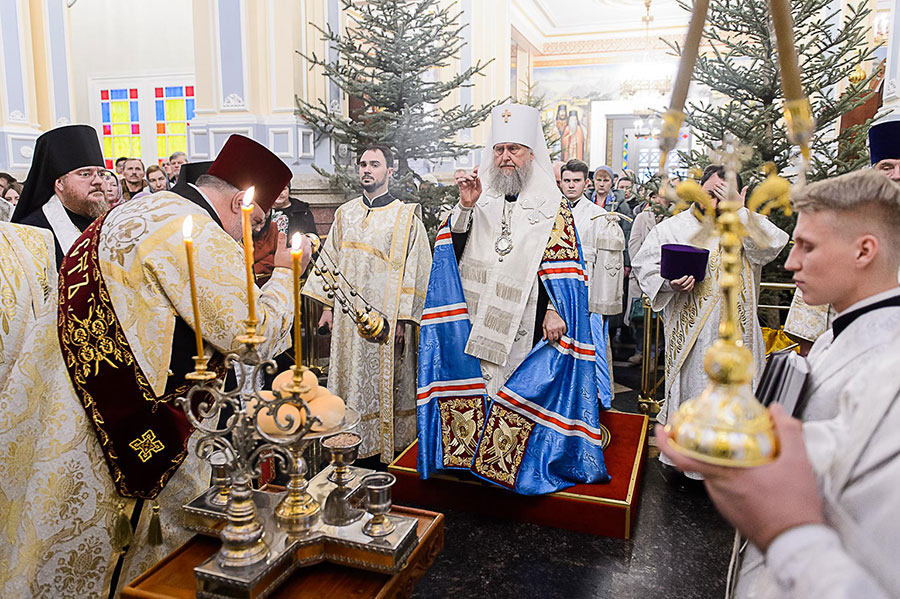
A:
{"x": 249, "y": 71}
{"x": 52, "y": 69}
{"x": 19, "y": 124}
{"x": 487, "y": 36}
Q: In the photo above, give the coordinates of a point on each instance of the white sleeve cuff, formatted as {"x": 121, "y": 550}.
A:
{"x": 460, "y": 219}
{"x": 781, "y": 556}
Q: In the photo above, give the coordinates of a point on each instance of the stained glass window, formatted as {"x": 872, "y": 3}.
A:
{"x": 121, "y": 123}
{"x": 174, "y": 110}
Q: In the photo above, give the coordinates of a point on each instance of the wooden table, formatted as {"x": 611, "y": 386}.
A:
{"x": 173, "y": 577}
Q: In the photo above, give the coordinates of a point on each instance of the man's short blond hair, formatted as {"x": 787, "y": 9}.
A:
{"x": 870, "y": 196}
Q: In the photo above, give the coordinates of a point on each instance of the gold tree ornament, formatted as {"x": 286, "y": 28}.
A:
{"x": 725, "y": 424}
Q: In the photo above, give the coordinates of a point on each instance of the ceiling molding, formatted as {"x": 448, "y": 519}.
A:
{"x": 545, "y": 24}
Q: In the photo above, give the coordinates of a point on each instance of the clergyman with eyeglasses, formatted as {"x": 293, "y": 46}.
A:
{"x": 64, "y": 191}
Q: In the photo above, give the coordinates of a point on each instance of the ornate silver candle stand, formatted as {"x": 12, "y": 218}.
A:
{"x": 268, "y": 535}
{"x": 236, "y": 447}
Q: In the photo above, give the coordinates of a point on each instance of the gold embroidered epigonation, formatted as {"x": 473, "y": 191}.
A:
{"x": 503, "y": 446}
{"x": 562, "y": 244}
{"x": 461, "y": 419}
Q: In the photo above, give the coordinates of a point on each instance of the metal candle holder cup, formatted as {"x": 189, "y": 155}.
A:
{"x": 221, "y": 480}
{"x": 343, "y": 449}
{"x": 378, "y": 503}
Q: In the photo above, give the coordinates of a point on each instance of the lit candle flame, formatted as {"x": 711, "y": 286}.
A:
{"x": 188, "y": 227}
{"x": 295, "y": 242}
{"x": 248, "y": 196}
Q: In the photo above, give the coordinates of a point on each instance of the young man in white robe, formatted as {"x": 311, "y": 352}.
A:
{"x": 846, "y": 253}
{"x": 380, "y": 246}
{"x": 691, "y": 310}
{"x": 806, "y": 322}
{"x": 603, "y": 244}
{"x": 845, "y": 256}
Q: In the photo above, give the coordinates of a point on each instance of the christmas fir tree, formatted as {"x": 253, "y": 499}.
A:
{"x": 742, "y": 71}
{"x": 388, "y": 57}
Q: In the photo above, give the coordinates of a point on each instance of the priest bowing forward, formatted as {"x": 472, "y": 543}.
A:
{"x": 506, "y": 358}
{"x": 99, "y": 434}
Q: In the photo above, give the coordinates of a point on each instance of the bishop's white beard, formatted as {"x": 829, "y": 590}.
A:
{"x": 509, "y": 184}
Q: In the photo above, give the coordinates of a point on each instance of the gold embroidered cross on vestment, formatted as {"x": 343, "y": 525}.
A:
{"x": 146, "y": 445}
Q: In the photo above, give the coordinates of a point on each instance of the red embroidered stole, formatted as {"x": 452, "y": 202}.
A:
{"x": 143, "y": 437}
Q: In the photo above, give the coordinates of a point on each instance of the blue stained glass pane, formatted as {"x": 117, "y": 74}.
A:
{"x": 134, "y": 112}
{"x": 189, "y": 108}
{"x": 104, "y": 110}
{"x": 175, "y": 92}
{"x": 118, "y": 94}
{"x": 160, "y": 111}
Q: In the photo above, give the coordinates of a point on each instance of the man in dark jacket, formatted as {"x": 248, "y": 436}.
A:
{"x": 291, "y": 215}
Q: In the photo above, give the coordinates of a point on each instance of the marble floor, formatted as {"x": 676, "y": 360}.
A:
{"x": 680, "y": 549}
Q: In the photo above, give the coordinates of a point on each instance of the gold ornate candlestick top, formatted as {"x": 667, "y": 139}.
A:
{"x": 797, "y": 110}
{"x": 725, "y": 424}
{"x": 673, "y": 118}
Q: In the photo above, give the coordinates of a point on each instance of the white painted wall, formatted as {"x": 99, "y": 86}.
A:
{"x": 126, "y": 38}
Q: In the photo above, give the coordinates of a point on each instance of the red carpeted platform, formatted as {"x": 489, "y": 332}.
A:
{"x": 608, "y": 510}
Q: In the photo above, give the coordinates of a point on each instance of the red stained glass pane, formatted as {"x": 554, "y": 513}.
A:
{"x": 132, "y": 93}
{"x": 107, "y": 130}
{"x": 104, "y": 94}
{"x": 189, "y": 91}
{"x": 135, "y": 129}
{"x": 158, "y": 92}
{"x": 160, "y": 127}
